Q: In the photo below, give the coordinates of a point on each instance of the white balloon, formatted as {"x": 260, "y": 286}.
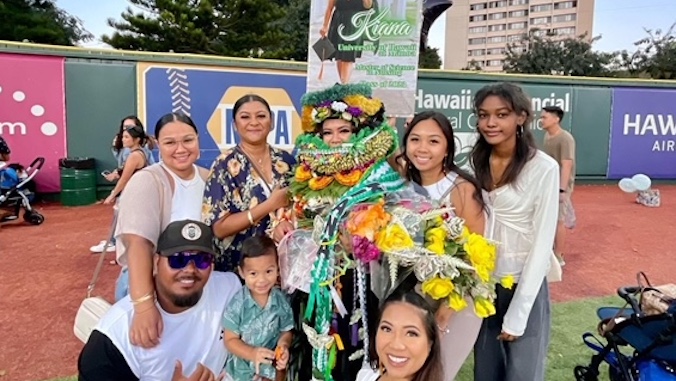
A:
{"x": 641, "y": 181}
{"x": 627, "y": 185}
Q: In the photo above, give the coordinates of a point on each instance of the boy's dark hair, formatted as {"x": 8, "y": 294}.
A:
{"x": 257, "y": 246}
{"x": 556, "y": 110}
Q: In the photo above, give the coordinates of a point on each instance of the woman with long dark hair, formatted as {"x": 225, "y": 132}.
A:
{"x": 427, "y": 155}
{"x": 132, "y": 124}
{"x": 406, "y": 344}
{"x": 523, "y": 183}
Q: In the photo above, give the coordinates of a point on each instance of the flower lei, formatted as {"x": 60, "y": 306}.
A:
{"x": 354, "y": 108}
{"x": 324, "y": 174}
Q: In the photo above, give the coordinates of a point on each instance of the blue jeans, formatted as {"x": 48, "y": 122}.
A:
{"x": 122, "y": 284}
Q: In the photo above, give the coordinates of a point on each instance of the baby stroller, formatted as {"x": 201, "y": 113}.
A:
{"x": 639, "y": 347}
{"x": 15, "y": 195}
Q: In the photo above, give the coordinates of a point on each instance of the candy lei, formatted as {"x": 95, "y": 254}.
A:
{"x": 381, "y": 178}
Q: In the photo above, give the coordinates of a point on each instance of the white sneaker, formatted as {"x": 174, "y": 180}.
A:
{"x": 99, "y": 248}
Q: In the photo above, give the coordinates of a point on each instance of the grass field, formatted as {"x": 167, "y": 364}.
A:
{"x": 570, "y": 321}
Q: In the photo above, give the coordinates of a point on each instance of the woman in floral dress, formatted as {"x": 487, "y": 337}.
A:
{"x": 247, "y": 184}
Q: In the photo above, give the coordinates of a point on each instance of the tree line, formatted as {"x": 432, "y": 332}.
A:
{"x": 278, "y": 29}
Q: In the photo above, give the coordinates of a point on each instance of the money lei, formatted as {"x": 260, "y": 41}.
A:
{"x": 380, "y": 178}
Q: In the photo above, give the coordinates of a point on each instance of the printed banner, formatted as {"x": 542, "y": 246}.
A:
{"x": 372, "y": 41}
{"x": 32, "y": 113}
{"x": 207, "y": 95}
{"x": 643, "y": 134}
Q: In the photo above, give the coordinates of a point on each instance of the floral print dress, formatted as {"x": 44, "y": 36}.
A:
{"x": 234, "y": 186}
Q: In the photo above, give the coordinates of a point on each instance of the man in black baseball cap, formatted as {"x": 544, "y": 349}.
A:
{"x": 186, "y": 249}
{"x": 191, "y": 300}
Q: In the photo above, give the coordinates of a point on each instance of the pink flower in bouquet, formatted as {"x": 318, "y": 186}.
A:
{"x": 421, "y": 207}
{"x": 364, "y": 250}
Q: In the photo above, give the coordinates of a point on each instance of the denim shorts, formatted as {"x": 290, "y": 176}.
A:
{"x": 122, "y": 284}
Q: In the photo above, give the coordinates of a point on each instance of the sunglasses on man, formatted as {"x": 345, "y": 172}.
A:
{"x": 180, "y": 260}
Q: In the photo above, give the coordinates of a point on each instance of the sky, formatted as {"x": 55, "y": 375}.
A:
{"x": 619, "y": 22}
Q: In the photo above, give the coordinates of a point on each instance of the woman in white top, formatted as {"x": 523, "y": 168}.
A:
{"x": 406, "y": 345}
{"x": 153, "y": 197}
{"x": 428, "y": 153}
{"x": 523, "y": 183}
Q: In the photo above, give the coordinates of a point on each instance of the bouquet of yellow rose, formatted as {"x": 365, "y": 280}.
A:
{"x": 452, "y": 264}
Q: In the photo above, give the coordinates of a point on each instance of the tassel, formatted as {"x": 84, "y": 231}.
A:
{"x": 321, "y": 72}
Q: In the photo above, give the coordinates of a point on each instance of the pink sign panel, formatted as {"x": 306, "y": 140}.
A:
{"x": 32, "y": 113}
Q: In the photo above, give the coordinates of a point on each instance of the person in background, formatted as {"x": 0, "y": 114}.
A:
{"x": 133, "y": 138}
{"x": 523, "y": 185}
{"x": 121, "y": 153}
{"x": 560, "y": 145}
{"x": 4, "y": 159}
{"x": 4, "y": 153}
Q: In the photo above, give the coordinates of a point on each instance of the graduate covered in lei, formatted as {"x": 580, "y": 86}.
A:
{"x": 360, "y": 230}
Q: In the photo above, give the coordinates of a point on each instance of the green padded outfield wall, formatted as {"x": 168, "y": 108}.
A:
{"x": 98, "y": 95}
{"x": 101, "y": 87}
{"x": 582, "y": 104}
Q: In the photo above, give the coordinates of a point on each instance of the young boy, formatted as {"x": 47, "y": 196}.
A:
{"x": 258, "y": 321}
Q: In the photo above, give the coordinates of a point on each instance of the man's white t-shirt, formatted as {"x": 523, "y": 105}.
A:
{"x": 193, "y": 336}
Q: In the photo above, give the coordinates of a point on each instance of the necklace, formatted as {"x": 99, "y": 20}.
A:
{"x": 258, "y": 159}
{"x": 494, "y": 162}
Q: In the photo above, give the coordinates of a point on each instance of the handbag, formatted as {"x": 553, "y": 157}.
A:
{"x": 92, "y": 308}
{"x": 655, "y": 300}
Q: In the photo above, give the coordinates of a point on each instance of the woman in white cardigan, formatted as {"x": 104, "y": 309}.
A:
{"x": 523, "y": 185}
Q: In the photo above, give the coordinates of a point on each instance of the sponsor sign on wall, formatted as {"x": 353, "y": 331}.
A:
{"x": 32, "y": 113}
{"x": 643, "y": 134}
{"x": 208, "y": 94}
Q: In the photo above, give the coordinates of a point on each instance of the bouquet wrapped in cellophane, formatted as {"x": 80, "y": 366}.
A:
{"x": 408, "y": 234}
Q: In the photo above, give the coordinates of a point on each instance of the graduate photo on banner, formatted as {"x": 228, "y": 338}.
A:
{"x": 371, "y": 41}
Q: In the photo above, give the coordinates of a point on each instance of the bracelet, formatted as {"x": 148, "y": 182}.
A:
{"x": 250, "y": 217}
{"x": 142, "y": 299}
{"x": 145, "y": 310}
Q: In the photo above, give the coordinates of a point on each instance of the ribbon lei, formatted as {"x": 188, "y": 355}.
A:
{"x": 379, "y": 179}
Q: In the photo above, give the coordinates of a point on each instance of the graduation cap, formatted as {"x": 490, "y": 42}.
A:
{"x": 324, "y": 49}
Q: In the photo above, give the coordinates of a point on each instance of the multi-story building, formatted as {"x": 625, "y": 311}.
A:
{"x": 479, "y": 30}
